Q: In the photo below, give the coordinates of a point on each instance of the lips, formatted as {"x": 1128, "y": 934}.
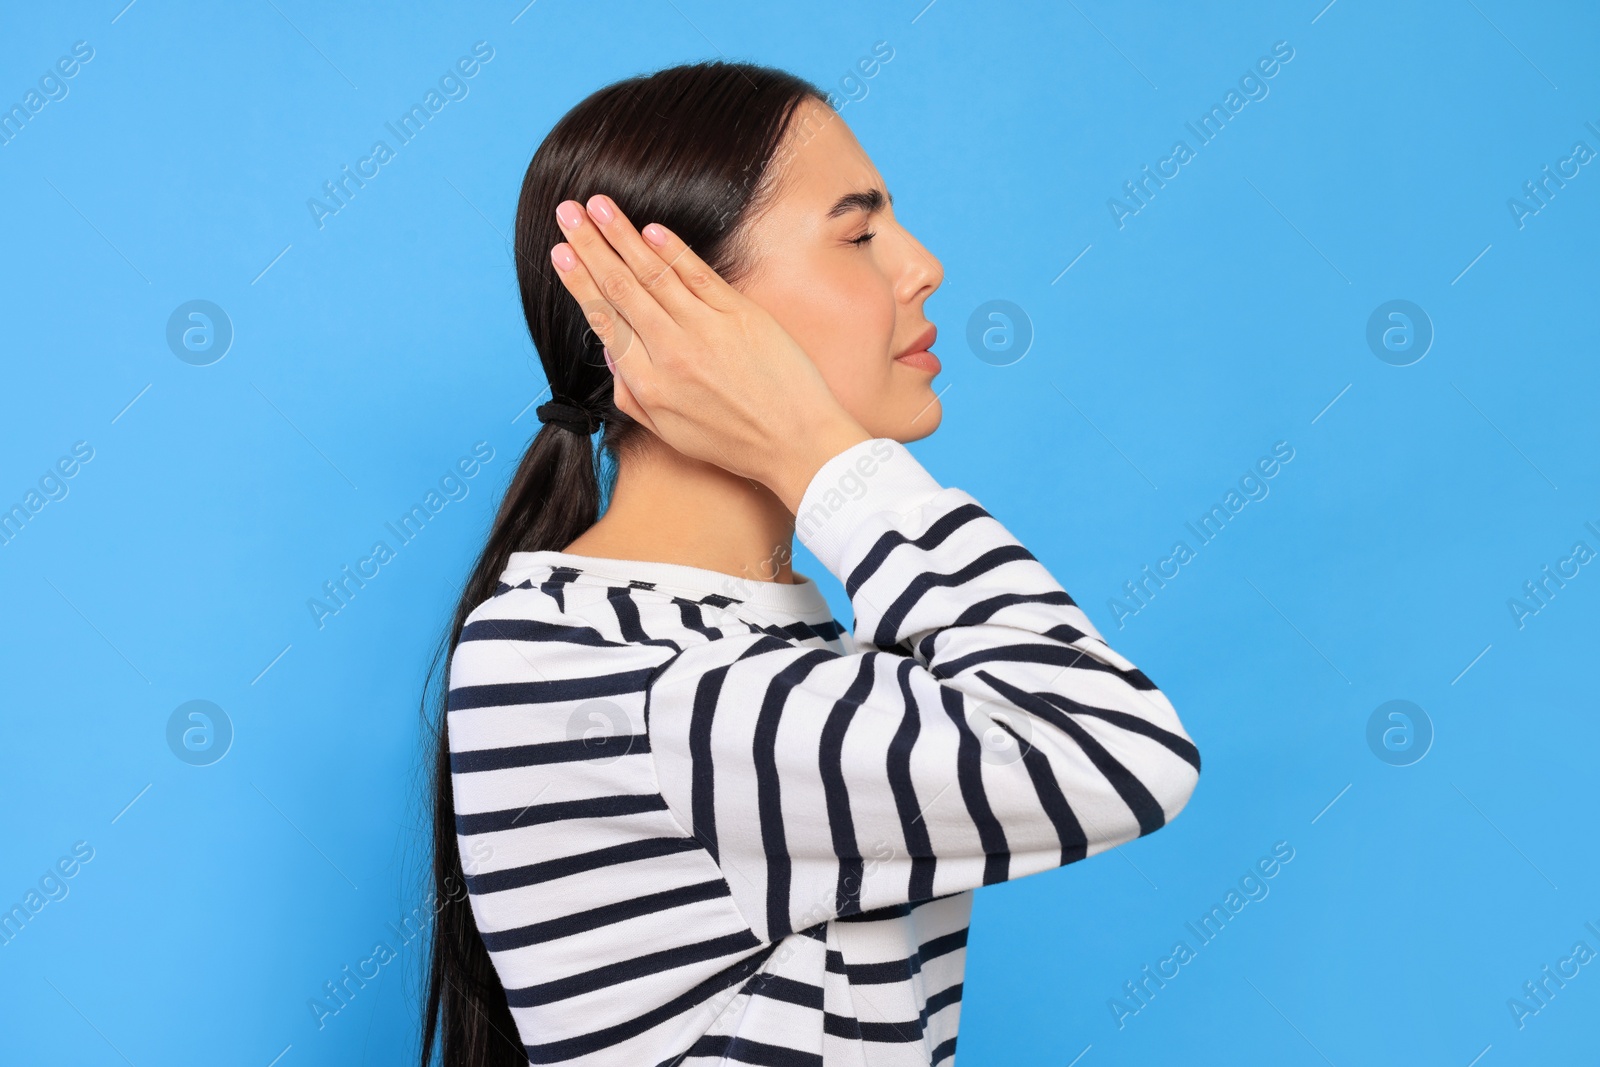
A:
{"x": 918, "y": 354}
{"x": 923, "y": 342}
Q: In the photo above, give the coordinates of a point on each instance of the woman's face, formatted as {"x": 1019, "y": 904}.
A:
{"x": 846, "y": 280}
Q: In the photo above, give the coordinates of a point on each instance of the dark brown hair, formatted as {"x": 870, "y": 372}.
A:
{"x": 692, "y": 148}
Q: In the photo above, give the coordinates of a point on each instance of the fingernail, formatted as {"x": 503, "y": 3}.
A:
{"x": 655, "y": 234}
{"x": 612, "y": 367}
{"x": 600, "y": 209}
{"x": 561, "y": 255}
{"x": 570, "y": 214}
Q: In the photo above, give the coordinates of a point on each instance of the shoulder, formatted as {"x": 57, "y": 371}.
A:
{"x": 567, "y": 605}
{"x": 556, "y": 662}
{"x": 558, "y": 635}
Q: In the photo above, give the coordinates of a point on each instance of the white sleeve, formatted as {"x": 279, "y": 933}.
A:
{"x": 984, "y": 730}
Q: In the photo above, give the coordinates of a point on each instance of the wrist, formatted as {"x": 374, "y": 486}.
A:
{"x": 800, "y": 464}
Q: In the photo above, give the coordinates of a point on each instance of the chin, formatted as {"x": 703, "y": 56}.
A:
{"x": 921, "y": 419}
{"x": 909, "y": 411}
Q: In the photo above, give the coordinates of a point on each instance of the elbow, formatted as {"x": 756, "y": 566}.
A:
{"x": 1180, "y": 773}
{"x": 1173, "y": 790}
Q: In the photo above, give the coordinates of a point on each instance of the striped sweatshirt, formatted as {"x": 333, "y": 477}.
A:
{"x": 702, "y": 823}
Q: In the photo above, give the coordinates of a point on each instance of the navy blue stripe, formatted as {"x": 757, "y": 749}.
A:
{"x": 969, "y": 775}
{"x": 845, "y": 1026}
{"x": 902, "y": 1032}
{"x": 631, "y": 969}
{"x": 561, "y": 867}
{"x": 830, "y": 763}
{"x": 769, "y": 805}
{"x": 933, "y": 536}
{"x": 1023, "y": 652}
{"x": 989, "y": 607}
{"x": 486, "y": 822}
{"x": 777, "y": 987}
{"x": 912, "y": 825}
{"x": 917, "y": 588}
{"x": 584, "y": 1044}
{"x": 555, "y": 585}
{"x": 1069, "y": 832}
{"x": 1182, "y": 747}
{"x": 888, "y": 911}
{"x": 627, "y": 611}
{"x": 693, "y": 618}
{"x": 1144, "y": 806}
{"x": 887, "y": 972}
{"x": 605, "y": 915}
{"x": 702, "y": 768}
{"x": 929, "y": 950}
{"x": 582, "y": 748}
{"x": 545, "y": 691}
{"x": 534, "y": 630}
{"x": 805, "y": 631}
{"x": 1032, "y": 652}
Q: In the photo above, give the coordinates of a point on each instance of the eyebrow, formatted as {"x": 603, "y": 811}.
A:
{"x": 869, "y": 201}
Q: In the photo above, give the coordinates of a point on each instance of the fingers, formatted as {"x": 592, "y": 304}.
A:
{"x": 613, "y": 280}
{"x": 652, "y": 274}
{"x": 633, "y": 287}
{"x": 623, "y": 397}
{"x": 698, "y": 278}
{"x": 613, "y": 329}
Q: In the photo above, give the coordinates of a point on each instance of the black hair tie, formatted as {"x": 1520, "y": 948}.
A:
{"x": 568, "y": 416}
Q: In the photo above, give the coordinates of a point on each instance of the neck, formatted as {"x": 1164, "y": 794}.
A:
{"x": 668, "y": 508}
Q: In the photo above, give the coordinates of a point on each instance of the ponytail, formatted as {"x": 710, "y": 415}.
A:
{"x": 554, "y": 496}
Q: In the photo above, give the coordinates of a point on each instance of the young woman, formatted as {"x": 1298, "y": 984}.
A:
{"x": 682, "y": 816}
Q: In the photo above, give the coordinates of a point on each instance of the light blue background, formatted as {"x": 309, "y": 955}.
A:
{"x": 1224, "y": 317}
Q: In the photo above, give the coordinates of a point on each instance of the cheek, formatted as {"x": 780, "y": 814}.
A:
{"x": 856, "y": 360}
{"x": 844, "y": 319}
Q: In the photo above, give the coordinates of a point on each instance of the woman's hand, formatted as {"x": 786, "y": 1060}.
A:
{"x": 705, "y": 368}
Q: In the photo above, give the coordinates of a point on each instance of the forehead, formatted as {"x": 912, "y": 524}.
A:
{"x": 819, "y": 161}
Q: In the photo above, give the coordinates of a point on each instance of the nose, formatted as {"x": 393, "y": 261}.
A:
{"x": 922, "y": 272}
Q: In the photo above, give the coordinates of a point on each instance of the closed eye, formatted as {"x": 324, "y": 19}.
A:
{"x": 863, "y": 239}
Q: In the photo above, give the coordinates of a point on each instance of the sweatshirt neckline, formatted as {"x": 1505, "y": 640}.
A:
{"x": 802, "y": 598}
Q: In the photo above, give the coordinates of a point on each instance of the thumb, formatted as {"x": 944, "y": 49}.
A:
{"x": 623, "y": 397}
